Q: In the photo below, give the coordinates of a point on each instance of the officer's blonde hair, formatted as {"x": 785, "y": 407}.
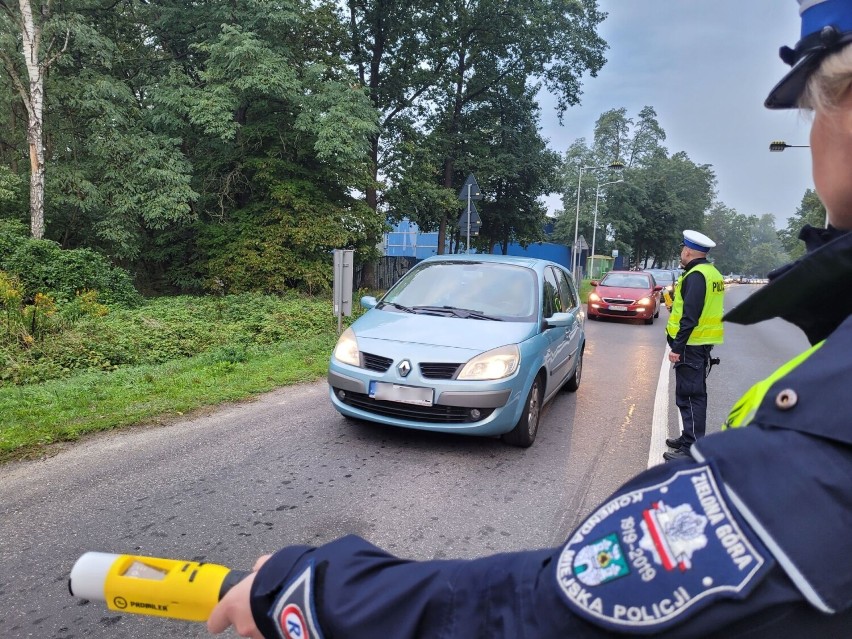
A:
{"x": 829, "y": 82}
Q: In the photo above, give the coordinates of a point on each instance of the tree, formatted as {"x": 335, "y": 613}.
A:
{"x": 811, "y": 211}
{"x": 732, "y": 233}
{"x": 514, "y": 163}
{"x": 399, "y": 54}
{"x": 28, "y": 29}
{"x": 167, "y": 120}
{"x": 764, "y": 258}
{"x": 491, "y": 41}
{"x": 662, "y": 194}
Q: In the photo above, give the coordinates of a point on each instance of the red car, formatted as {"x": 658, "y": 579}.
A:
{"x": 631, "y": 294}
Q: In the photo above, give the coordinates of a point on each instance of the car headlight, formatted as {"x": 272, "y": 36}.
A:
{"x": 494, "y": 364}
{"x": 645, "y": 301}
{"x": 346, "y": 350}
{"x": 594, "y": 297}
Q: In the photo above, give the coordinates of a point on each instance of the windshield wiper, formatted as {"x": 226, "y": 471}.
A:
{"x": 399, "y": 306}
{"x": 463, "y": 313}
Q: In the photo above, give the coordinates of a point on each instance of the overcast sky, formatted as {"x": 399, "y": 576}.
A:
{"x": 705, "y": 66}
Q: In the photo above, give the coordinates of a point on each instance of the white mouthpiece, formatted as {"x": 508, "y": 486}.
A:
{"x": 89, "y": 575}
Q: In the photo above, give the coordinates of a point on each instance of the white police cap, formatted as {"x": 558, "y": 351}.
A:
{"x": 826, "y": 28}
{"x": 697, "y": 241}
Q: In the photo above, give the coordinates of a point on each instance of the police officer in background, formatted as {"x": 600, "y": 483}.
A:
{"x": 748, "y": 538}
{"x": 694, "y": 327}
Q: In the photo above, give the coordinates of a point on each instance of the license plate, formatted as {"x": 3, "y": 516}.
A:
{"x": 615, "y": 307}
{"x": 399, "y": 393}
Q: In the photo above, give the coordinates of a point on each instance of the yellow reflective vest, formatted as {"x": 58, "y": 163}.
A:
{"x": 709, "y": 328}
{"x": 744, "y": 410}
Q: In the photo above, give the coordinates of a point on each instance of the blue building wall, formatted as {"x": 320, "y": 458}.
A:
{"x": 407, "y": 240}
{"x": 558, "y": 253}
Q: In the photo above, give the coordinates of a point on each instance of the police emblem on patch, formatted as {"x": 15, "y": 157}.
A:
{"x": 600, "y": 562}
{"x": 671, "y": 535}
{"x": 650, "y": 557}
{"x": 293, "y": 613}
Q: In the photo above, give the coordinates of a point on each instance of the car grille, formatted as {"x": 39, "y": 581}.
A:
{"x": 438, "y": 370}
{"x": 435, "y": 414}
{"x": 429, "y": 370}
{"x": 607, "y": 311}
{"x": 376, "y": 362}
{"x": 612, "y": 300}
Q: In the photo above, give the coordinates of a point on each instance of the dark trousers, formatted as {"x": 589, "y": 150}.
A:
{"x": 691, "y": 392}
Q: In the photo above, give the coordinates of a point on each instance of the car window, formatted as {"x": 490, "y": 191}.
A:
{"x": 627, "y": 280}
{"x": 552, "y": 300}
{"x": 504, "y": 290}
{"x": 566, "y": 290}
{"x": 663, "y": 278}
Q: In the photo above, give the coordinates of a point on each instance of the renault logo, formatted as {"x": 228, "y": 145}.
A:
{"x": 404, "y": 368}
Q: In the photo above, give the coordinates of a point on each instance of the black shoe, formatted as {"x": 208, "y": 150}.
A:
{"x": 674, "y": 443}
{"x": 674, "y": 455}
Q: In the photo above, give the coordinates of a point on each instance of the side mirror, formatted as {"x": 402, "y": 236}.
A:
{"x": 368, "y": 302}
{"x": 658, "y": 288}
{"x": 560, "y": 319}
{"x": 593, "y": 283}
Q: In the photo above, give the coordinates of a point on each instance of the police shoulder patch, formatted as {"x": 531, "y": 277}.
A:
{"x": 293, "y": 613}
{"x": 652, "y": 556}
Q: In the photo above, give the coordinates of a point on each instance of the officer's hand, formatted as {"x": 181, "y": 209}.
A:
{"x": 674, "y": 358}
{"x": 235, "y": 608}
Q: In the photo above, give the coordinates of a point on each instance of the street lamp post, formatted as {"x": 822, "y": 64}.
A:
{"x": 780, "y": 145}
{"x": 595, "y": 223}
{"x": 574, "y": 261}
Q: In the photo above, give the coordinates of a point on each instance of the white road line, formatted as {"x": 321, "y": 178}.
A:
{"x": 660, "y": 420}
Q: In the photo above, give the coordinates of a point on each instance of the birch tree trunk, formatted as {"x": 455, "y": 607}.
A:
{"x": 32, "y": 95}
{"x": 35, "y": 110}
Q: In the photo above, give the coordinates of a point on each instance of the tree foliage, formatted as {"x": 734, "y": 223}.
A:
{"x": 41, "y": 267}
{"x": 746, "y": 245}
{"x": 232, "y": 145}
{"x": 661, "y": 195}
{"x": 811, "y": 211}
{"x": 235, "y": 143}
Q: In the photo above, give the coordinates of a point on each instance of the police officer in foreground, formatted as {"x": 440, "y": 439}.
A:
{"x": 694, "y": 327}
{"x": 749, "y": 538}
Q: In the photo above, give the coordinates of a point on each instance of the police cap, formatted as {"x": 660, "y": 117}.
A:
{"x": 826, "y": 28}
{"x": 697, "y": 241}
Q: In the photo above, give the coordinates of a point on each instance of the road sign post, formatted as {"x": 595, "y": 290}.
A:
{"x": 342, "y": 286}
{"x": 470, "y": 191}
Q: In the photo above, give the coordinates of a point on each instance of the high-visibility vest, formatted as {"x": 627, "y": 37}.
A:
{"x": 709, "y": 329}
{"x": 744, "y": 410}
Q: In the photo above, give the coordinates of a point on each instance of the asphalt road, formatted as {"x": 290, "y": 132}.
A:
{"x": 286, "y": 468}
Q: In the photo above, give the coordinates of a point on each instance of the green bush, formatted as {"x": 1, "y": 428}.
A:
{"x": 226, "y": 328}
{"x": 42, "y": 266}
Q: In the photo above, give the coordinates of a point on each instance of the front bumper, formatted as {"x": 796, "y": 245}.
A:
{"x": 483, "y": 411}
{"x": 635, "y": 311}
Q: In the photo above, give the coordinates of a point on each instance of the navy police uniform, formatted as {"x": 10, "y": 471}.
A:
{"x": 748, "y": 539}
{"x": 694, "y": 365}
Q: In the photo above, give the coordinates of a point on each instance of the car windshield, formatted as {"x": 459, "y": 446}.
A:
{"x": 663, "y": 277}
{"x": 489, "y": 289}
{"x": 626, "y": 280}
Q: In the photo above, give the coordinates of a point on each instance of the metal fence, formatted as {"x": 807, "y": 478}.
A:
{"x": 384, "y": 272}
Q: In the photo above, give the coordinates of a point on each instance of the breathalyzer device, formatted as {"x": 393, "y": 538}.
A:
{"x": 152, "y": 585}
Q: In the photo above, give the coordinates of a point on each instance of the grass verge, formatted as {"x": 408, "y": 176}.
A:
{"x": 40, "y": 415}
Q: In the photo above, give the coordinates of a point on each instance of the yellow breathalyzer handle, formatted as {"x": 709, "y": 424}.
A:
{"x": 668, "y": 298}
{"x": 152, "y": 585}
